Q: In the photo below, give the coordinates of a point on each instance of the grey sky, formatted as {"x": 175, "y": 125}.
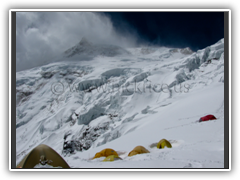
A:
{"x": 42, "y": 35}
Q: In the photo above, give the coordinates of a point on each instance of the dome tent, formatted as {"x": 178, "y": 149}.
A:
{"x": 105, "y": 153}
{"x": 112, "y": 158}
{"x": 207, "y": 118}
{"x": 162, "y": 143}
{"x": 138, "y": 150}
{"x": 44, "y": 155}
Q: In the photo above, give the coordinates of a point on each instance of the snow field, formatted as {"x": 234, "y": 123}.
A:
{"x": 138, "y": 99}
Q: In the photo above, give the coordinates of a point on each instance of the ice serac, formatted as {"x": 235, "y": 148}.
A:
{"x": 213, "y": 52}
{"x": 91, "y": 114}
{"x": 180, "y": 77}
{"x": 90, "y": 84}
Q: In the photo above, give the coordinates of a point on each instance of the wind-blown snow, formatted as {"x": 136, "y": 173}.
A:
{"x": 121, "y": 101}
{"x": 86, "y": 49}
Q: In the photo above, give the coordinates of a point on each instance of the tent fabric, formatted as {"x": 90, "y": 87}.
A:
{"x": 163, "y": 143}
{"x": 112, "y": 158}
{"x": 138, "y": 150}
{"x": 42, "y": 154}
{"x": 105, "y": 153}
{"x": 207, "y": 118}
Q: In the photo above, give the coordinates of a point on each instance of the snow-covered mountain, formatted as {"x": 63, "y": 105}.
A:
{"x": 85, "y": 49}
{"x": 119, "y": 102}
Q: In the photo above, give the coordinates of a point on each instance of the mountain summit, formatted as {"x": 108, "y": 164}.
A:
{"x": 84, "y": 42}
{"x": 86, "y": 49}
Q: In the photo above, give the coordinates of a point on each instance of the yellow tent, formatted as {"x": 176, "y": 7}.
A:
{"x": 138, "y": 150}
{"x": 112, "y": 158}
{"x": 105, "y": 153}
{"x": 42, "y": 154}
{"x": 162, "y": 143}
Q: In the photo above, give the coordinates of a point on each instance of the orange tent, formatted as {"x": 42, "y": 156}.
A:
{"x": 138, "y": 150}
{"x": 105, "y": 153}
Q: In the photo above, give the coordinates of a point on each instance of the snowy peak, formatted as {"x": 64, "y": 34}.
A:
{"x": 186, "y": 50}
{"x": 79, "y": 48}
{"x": 86, "y": 49}
{"x": 84, "y": 42}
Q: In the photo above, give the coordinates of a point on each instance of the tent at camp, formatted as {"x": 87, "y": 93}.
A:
{"x": 43, "y": 155}
{"x": 163, "y": 143}
{"x": 112, "y": 158}
{"x": 207, "y": 118}
{"x": 138, "y": 150}
{"x": 105, "y": 153}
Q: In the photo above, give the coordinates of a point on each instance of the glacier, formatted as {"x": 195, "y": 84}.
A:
{"x": 103, "y": 96}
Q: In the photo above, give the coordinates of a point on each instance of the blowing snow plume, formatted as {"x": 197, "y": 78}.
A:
{"x": 85, "y": 50}
{"x": 42, "y": 36}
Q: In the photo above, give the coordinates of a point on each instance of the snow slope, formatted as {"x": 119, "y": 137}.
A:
{"x": 120, "y": 102}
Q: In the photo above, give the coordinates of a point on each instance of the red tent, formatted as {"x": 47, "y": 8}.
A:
{"x": 207, "y": 118}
